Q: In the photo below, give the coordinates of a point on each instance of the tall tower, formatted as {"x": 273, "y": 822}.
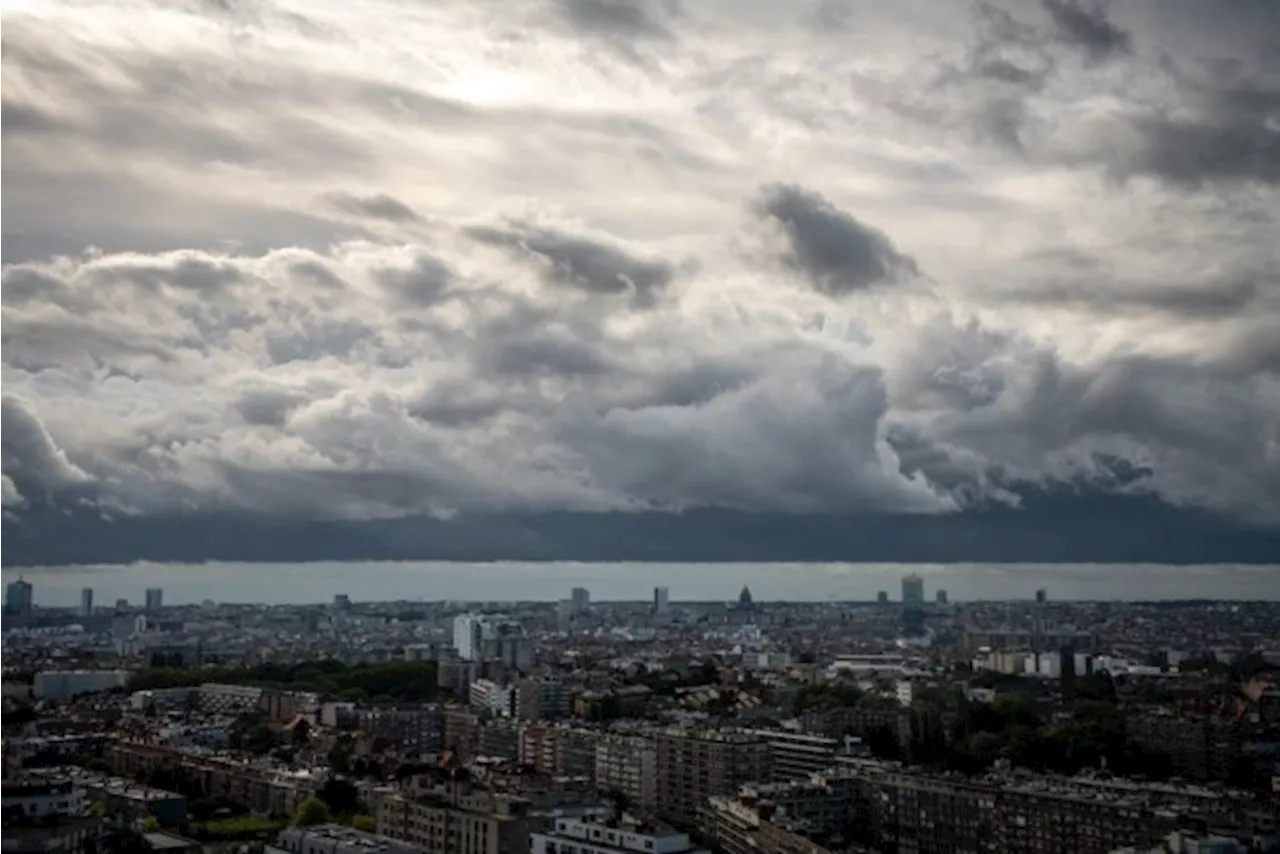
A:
{"x": 86, "y": 602}
{"x": 581, "y": 598}
{"x": 661, "y": 600}
{"x": 19, "y": 598}
{"x": 912, "y": 606}
{"x": 155, "y": 599}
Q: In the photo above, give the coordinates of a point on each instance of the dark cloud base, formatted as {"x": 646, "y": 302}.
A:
{"x": 1047, "y": 529}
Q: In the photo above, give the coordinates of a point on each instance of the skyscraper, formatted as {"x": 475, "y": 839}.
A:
{"x": 86, "y": 602}
{"x": 18, "y": 598}
{"x": 660, "y": 600}
{"x": 912, "y": 606}
{"x": 581, "y": 598}
{"x": 155, "y": 598}
{"x": 941, "y": 597}
{"x": 1042, "y": 596}
{"x": 913, "y": 590}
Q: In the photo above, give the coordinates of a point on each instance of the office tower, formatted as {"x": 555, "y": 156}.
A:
{"x": 468, "y": 636}
{"x": 912, "y": 590}
{"x": 581, "y": 599}
{"x": 86, "y": 602}
{"x": 1042, "y": 596}
{"x": 912, "y": 606}
{"x": 341, "y": 602}
{"x": 660, "y": 600}
{"x": 122, "y": 604}
{"x": 883, "y": 597}
{"x": 941, "y": 596}
{"x": 155, "y": 598}
{"x": 18, "y": 598}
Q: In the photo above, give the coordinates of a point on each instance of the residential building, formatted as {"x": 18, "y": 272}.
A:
{"x": 581, "y": 836}
{"x": 336, "y": 839}
{"x": 581, "y": 599}
{"x": 410, "y": 729}
{"x": 661, "y": 601}
{"x": 695, "y": 764}
{"x": 456, "y": 817}
{"x": 628, "y": 764}
{"x": 797, "y": 755}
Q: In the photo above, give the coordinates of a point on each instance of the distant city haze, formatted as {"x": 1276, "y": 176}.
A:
{"x": 319, "y": 582}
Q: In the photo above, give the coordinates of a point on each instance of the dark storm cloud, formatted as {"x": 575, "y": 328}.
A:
{"x": 1086, "y": 26}
{"x": 582, "y": 262}
{"x": 378, "y": 206}
{"x": 838, "y": 254}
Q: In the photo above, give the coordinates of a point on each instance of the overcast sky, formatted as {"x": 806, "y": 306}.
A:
{"x": 376, "y": 259}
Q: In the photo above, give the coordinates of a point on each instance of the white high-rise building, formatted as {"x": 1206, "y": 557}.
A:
{"x": 86, "y": 602}
{"x": 155, "y": 599}
{"x": 468, "y": 636}
{"x": 661, "y": 600}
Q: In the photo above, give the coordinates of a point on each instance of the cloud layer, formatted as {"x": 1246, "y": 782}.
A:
{"x": 316, "y": 261}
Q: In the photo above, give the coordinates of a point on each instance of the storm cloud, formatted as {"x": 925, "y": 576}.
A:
{"x": 592, "y": 256}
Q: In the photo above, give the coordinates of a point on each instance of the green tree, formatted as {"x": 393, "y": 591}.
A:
{"x": 310, "y": 812}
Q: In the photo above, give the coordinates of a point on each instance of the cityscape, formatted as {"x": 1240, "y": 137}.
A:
{"x": 640, "y": 427}
{"x": 910, "y": 722}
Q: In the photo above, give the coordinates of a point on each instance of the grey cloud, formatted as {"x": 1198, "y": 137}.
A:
{"x": 584, "y": 263}
{"x": 838, "y": 254}
{"x": 1079, "y": 280}
{"x": 422, "y": 283}
{"x": 731, "y": 451}
{"x": 185, "y": 271}
{"x": 456, "y": 404}
{"x": 268, "y": 407}
{"x": 30, "y": 455}
{"x": 628, "y": 19}
{"x": 1087, "y": 27}
{"x": 545, "y": 354}
{"x": 28, "y": 119}
{"x": 377, "y": 206}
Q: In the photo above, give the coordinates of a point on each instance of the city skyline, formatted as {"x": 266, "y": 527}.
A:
{"x": 439, "y": 582}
